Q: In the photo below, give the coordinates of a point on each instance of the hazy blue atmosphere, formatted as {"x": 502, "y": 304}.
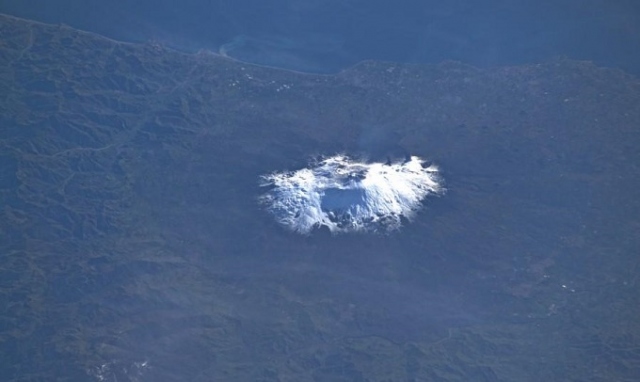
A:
{"x": 319, "y": 191}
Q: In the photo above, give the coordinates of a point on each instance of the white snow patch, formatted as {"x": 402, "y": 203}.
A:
{"x": 347, "y": 195}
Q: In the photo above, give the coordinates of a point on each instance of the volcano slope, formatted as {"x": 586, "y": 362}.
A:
{"x": 135, "y": 247}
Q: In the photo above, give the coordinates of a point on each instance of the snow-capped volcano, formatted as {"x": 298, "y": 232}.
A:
{"x": 346, "y": 195}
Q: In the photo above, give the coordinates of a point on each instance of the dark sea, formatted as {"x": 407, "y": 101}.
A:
{"x": 134, "y": 240}
{"x": 331, "y": 35}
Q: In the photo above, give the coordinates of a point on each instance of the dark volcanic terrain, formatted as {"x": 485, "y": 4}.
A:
{"x": 133, "y": 248}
